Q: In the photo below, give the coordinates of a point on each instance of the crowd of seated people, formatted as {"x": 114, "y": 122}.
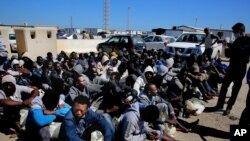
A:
{"x": 124, "y": 95}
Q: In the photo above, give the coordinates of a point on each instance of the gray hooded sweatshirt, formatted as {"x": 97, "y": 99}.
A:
{"x": 141, "y": 81}
{"x": 132, "y": 127}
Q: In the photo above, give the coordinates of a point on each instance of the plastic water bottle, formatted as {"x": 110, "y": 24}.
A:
{"x": 181, "y": 113}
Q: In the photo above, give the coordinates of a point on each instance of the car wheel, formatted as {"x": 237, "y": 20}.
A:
{"x": 100, "y": 49}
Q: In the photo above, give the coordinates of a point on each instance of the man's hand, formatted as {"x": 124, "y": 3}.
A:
{"x": 27, "y": 102}
{"x": 24, "y": 71}
{"x": 154, "y": 135}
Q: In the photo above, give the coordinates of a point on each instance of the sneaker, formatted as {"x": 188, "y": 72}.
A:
{"x": 218, "y": 108}
{"x": 227, "y": 112}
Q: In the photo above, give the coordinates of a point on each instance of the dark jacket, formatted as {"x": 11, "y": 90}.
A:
{"x": 240, "y": 51}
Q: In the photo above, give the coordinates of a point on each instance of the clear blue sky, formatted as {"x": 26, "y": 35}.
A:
{"x": 144, "y": 14}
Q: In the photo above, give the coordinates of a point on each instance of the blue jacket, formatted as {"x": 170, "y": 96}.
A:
{"x": 73, "y": 129}
{"x": 39, "y": 119}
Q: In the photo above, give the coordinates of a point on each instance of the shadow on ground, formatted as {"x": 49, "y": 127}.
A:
{"x": 208, "y": 131}
{"x": 204, "y": 131}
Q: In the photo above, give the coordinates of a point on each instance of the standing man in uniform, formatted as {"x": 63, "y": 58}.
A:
{"x": 238, "y": 52}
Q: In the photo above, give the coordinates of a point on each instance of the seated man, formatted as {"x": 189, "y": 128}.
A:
{"x": 80, "y": 121}
{"x": 82, "y": 87}
{"x": 44, "y": 110}
{"x": 149, "y": 96}
{"x": 133, "y": 126}
{"x": 142, "y": 80}
{"x": 11, "y": 99}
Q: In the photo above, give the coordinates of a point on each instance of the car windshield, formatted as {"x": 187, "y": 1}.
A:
{"x": 169, "y": 39}
{"x": 137, "y": 40}
{"x": 191, "y": 38}
{"x": 12, "y": 36}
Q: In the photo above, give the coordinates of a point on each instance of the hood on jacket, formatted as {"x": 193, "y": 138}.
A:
{"x": 78, "y": 68}
{"x": 37, "y": 103}
{"x": 14, "y": 62}
{"x": 161, "y": 70}
{"x": 134, "y": 107}
{"x": 170, "y": 62}
{"x": 104, "y": 59}
{"x": 9, "y": 78}
{"x": 148, "y": 69}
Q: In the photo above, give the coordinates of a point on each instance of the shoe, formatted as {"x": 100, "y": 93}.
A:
{"x": 218, "y": 108}
{"x": 207, "y": 97}
{"x": 195, "y": 122}
{"x": 213, "y": 94}
{"x": 227, "y": 112}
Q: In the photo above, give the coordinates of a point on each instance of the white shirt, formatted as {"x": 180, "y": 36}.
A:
{"x": 17, "y": 95}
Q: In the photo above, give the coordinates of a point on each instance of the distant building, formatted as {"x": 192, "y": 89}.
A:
{"x": 189, "y": 28}
{"x": 93, "y": 31}
{"x": 176, "y": 31}
{"x": 72, "y": 30}
{"x": 227, "y": 34}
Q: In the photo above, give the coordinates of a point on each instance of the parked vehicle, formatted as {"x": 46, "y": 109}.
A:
{"x": 188, "y": 43}
{"x": 119, "y": 42}
{"x": 12, "y": 40}
{"x": 158, "y": 41}
{"x": 67, "y": 36}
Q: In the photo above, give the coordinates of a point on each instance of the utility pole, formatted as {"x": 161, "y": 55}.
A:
{"x": 195, "y": 22}
{"x": 71, "y": 24}
{"x": 106, "y": 15}
{"x": 128, "y": 22}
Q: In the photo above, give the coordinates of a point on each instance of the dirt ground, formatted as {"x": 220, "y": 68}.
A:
{"x": 213, "y": 126}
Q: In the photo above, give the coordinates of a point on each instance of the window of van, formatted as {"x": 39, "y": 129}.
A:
{"x": 12, "y": 36}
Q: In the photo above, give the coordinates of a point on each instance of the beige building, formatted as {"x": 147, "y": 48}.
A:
{"x": 37, "y": 41}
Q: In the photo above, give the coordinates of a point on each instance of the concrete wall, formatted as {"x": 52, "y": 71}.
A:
{"x": 39, "y": 44}
{"x": 86, "y": 45}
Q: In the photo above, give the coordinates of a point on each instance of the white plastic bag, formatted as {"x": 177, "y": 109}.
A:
{"x": 97, "y": 136}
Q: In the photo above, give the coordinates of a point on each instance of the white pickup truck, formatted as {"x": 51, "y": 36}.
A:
{"x": 187, "y": 43}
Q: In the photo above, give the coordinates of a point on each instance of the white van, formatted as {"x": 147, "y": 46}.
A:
{"x": 187, "y": 44}
{"x": 12, "y": 40}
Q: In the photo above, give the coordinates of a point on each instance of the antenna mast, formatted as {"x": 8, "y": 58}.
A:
{"x": 106, "y": 15}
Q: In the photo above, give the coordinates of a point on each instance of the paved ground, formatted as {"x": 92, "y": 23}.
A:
{"x": 213, "y": 126}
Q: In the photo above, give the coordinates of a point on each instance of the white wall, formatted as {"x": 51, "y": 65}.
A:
{"x": 40, "y": 45}
{"x": 80, "y": 46}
